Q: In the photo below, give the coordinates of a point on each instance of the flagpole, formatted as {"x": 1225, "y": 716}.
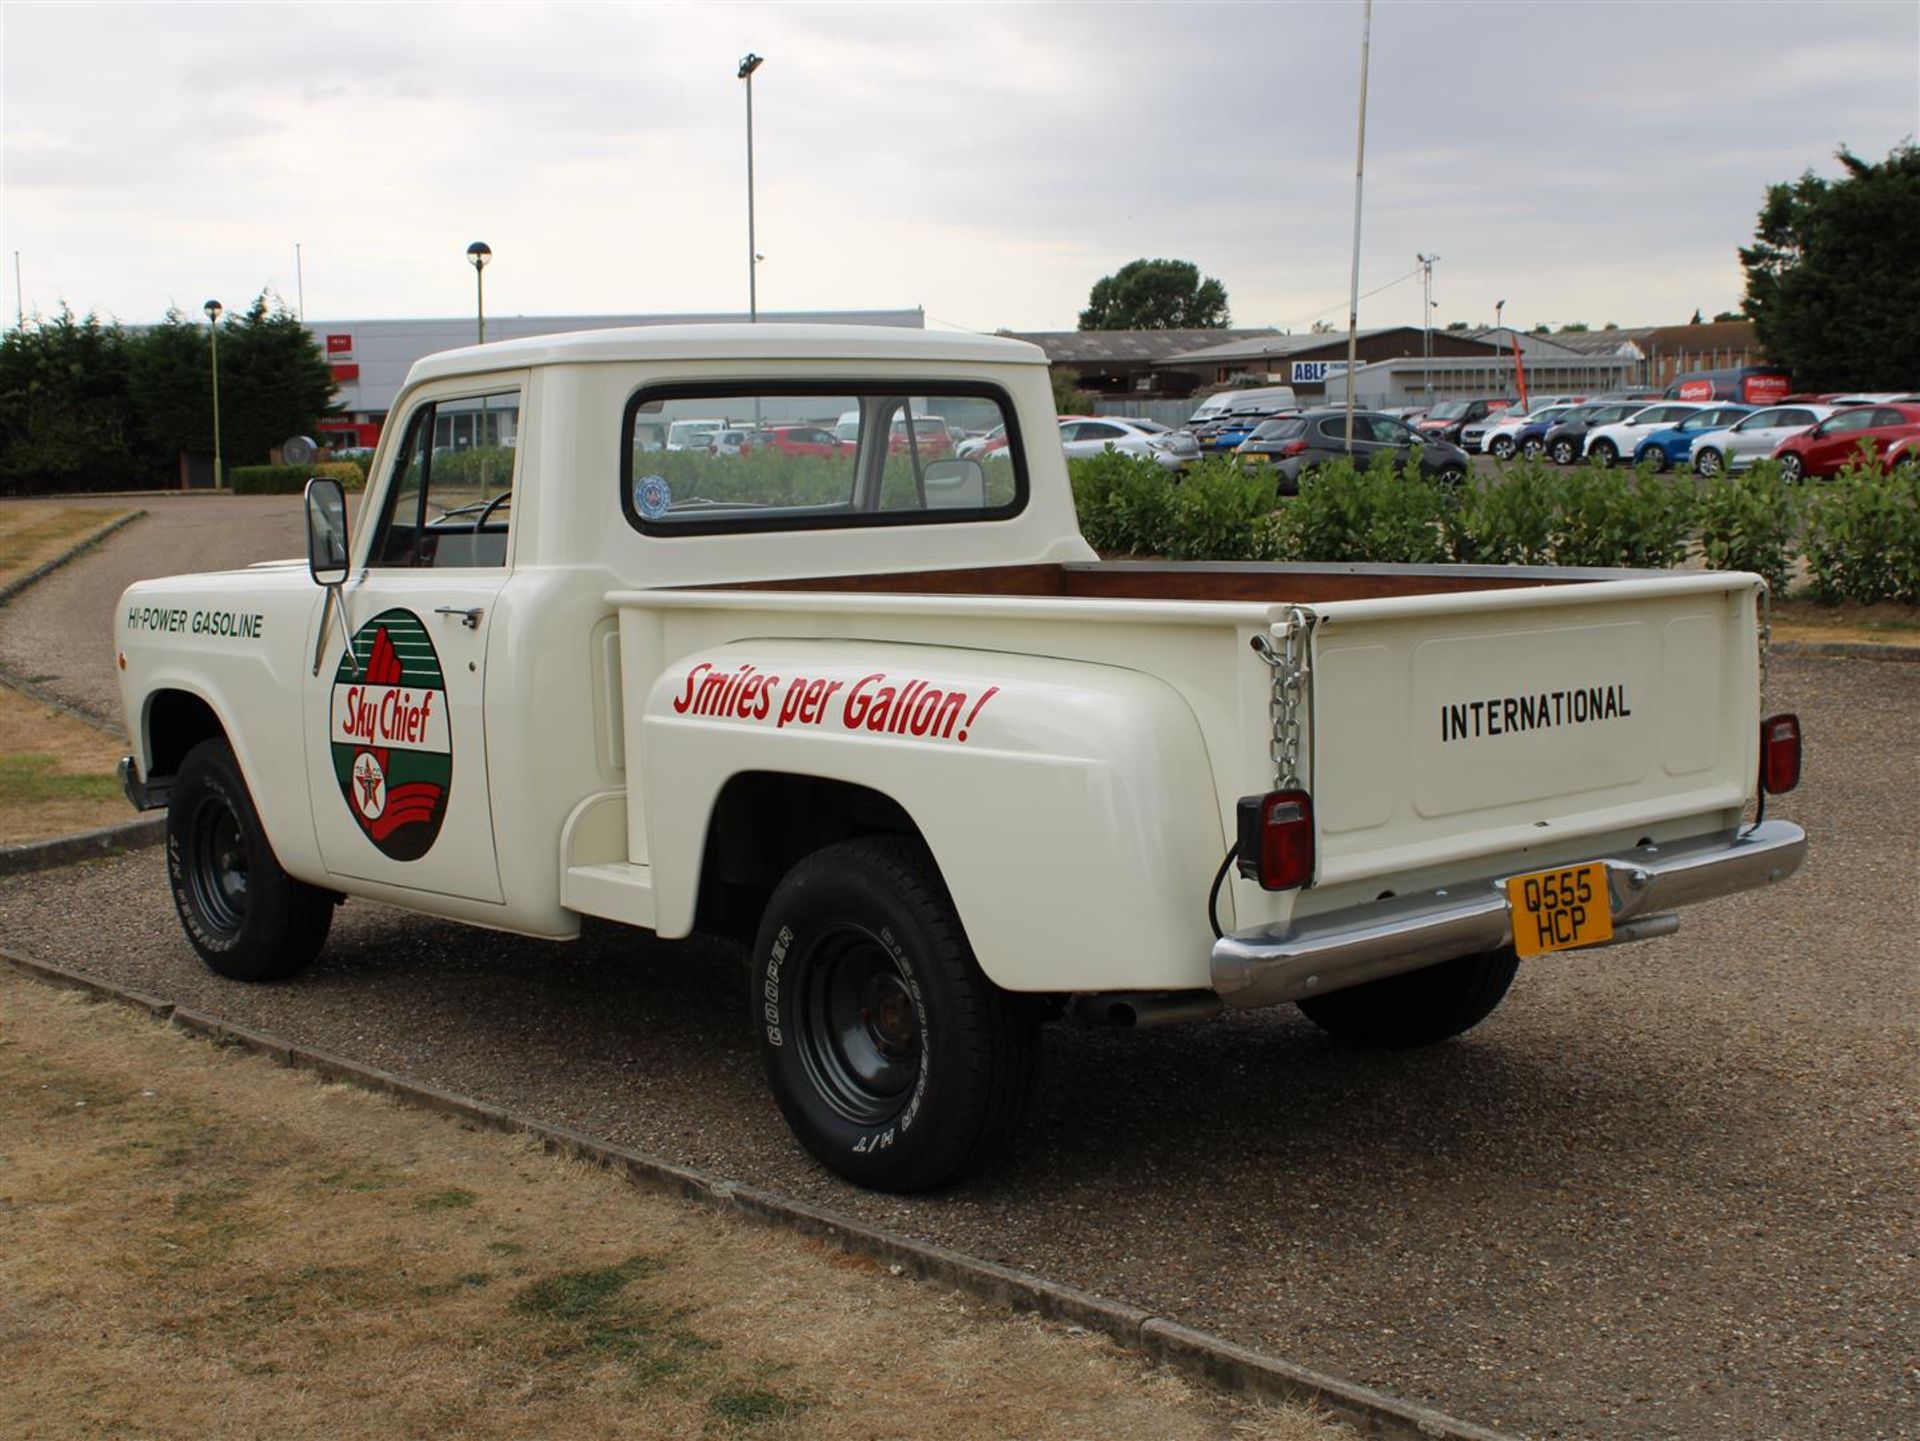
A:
{"x": 1359, "y": 174}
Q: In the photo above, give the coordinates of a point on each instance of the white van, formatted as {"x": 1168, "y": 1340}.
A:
{"x": 1275, "y": 397}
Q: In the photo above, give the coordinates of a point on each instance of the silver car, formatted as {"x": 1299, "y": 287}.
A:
{"x": 1745, "y": 441}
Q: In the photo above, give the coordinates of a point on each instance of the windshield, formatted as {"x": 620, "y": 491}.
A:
{"x": 1448, "y": 410}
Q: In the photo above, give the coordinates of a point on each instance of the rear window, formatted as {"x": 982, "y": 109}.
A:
{"x": 1290, "y": 429}
{"x": 899, "y": 469}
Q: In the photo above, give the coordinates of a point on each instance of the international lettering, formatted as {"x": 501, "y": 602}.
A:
{"x": 1541, "y": 710}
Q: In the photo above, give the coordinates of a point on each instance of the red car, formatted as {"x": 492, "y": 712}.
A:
{"x": 1822, "y": 451}
{"x": 798, "y": 440}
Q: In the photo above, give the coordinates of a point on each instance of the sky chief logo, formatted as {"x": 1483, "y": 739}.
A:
{"x": 392, "y": 744}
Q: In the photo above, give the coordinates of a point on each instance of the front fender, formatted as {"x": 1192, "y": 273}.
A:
{"x": 1070, "y": 806}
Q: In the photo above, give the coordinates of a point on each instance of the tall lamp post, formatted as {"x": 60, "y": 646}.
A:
{"x": 1426, "y": 347}
{"x": 748, "y": 64}
{"x": 213, "y": 309}
{"x": 478, "y": 254}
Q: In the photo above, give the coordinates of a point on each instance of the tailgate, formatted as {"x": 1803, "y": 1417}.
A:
{"x": 1450, "y": 728}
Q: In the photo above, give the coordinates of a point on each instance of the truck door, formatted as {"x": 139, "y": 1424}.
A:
{"x": 396, "y": 727}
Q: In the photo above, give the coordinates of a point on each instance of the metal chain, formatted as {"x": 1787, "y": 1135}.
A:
{"x": 1290, "y": 667}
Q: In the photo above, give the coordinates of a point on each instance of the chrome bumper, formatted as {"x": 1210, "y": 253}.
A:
{"x": 1325, "y": 953}
{"x": 141, "y": 797}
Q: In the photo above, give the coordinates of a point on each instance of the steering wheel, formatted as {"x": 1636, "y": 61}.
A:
{"x": 499, "y": 500}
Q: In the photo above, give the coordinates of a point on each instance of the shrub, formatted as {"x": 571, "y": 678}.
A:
{"x": 1609, "y": 518}
{"x": 1863, "y": 535}
{"x": 1126, "y": 503}
{"x": 1215, "y": 508}
{"x": 269, "y": 479}
{"x": 1748, "y": 521}
{"x": 1510, "y": 521}
{"x": 1379, "y": 514}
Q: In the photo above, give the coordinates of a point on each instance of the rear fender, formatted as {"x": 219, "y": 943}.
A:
{"x": 1069, "y": 806}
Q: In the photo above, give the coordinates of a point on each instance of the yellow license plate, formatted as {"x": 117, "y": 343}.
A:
{"x": 1559, "y": 910}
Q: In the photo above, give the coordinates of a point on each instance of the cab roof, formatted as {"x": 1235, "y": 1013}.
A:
{"x": 727, "y": 342}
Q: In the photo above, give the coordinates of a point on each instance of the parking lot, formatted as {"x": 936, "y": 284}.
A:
{"x": 1665, "y": 1190}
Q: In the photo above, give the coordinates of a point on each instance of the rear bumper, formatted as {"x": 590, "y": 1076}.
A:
{"x": 1269, "y": 965}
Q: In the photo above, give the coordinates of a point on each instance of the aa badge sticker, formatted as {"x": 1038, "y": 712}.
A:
{"x": 392, "y": 746}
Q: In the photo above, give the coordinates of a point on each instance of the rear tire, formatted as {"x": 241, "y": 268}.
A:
{"x": 248, "y": 919}
{"x": 1417, "y": 1008}
{"x": 894, "y": 1059}
{"x": 1563, "y": 452}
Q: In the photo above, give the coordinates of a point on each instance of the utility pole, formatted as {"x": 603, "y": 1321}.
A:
{"x": 1359, "y": 173}
{"x": 19, "y": 300}
{"x": 300, "y": 281}
{"x": 1426, "y": 338}
{"x": 748, "y": 64}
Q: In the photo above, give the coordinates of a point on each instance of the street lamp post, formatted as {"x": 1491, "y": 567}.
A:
{"x": 478, "y": 254}
{"x": 748, "y": 64}
{"x": 213, "y": 309}
{"x": 1426, "y": 345}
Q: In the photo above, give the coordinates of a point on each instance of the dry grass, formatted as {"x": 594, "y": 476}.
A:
{"x": 56, "y": 772}
{"x": 33, "y": 532}
{"x": 196, "y": 1243}
{"x": 1886, "y": 623}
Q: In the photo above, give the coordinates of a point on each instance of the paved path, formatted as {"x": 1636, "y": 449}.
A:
{"x": 59, "y": 633}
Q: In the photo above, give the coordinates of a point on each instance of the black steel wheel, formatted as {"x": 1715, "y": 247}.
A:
{"x": 248, "y": 919}
{"x": 1417, "y": 1008}
{"x": 894, "y": 1059}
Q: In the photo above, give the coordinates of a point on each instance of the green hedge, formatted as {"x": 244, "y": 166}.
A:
{"x": 1859, "y": 532}
{"x": 292, "y": 479}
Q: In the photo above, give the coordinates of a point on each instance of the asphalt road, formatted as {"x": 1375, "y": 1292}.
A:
{"x": 1666, "y": 1190}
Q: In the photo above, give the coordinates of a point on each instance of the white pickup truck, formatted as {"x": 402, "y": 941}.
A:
{"x": 882, "y": 714}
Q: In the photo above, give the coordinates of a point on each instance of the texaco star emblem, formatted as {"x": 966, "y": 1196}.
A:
{"x": 371, "y": 782}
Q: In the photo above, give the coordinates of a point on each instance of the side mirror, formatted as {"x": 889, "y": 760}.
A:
{"x": 327, "y": 531}
{"x": 955, "y": 485}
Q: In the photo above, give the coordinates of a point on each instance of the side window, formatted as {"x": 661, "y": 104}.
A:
{"x": 1848, "y": 421}
{"x": 1793, "y": 417}
{"x": 451, "y": 500}
{"x": 1099, "y": 431}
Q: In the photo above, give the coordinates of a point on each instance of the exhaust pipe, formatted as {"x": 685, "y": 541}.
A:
{"x": 1135, "y": 1010}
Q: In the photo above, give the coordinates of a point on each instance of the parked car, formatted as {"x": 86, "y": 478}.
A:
{"x": 1822, "y": 451}
{"x": 1505, "y": 435}
{"x": 798, "y": 440}
{"x": 1272, "y": 398}
{"x": 1178, "y": 442}
{"x": 972, "y": 446}
{"x": 1903, "y": 453}
{"x": 1448, "y": 418}
{"x": 1674, "y": 444}
{"x": 1745, "y": 441}
{"x": 1224, "y": 435}
{"x": 1567, "y": 435}
{"x": 1476, "y": 436}
{"x": 930, "y": 436}
{"x": 1082, "y": 436}
{"x": 693, "y": 434}
{"x": 1296, "y": 444}
{"x": 1607, "y": 442}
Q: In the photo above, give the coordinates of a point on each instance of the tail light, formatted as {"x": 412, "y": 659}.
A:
{"x": 1294, "y": 447}
{"x": 1276, "y": 839}
{"x": 1779, "y": 754}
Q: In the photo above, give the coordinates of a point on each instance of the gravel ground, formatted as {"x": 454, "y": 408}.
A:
{"x": 59, "y": 633}
{"x": 1666, "y": 1190}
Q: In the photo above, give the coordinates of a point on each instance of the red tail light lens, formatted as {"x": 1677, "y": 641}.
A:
{"x": 1294, "y": 447}
{"x": 1276, "y": 839}
{"x": 1779, "y": 754}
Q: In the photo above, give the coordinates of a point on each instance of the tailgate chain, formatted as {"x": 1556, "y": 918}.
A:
{"x": 1290, "y": 668}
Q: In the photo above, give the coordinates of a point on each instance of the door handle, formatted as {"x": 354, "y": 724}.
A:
{"x": 469, "y": 614}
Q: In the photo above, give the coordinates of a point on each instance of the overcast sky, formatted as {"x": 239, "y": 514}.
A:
{"x": 1582, "y": 161}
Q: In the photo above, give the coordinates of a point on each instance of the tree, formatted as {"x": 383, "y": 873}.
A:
{"x": 66, "y": 419}
{"x": 274, "y": 383}
{"x": 1156, "y": 295}
{"x": 1832, "y": 287}
{"x": 1068, "y": 397}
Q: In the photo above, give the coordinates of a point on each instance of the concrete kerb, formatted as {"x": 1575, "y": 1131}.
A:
{"x": 1197, "y": 1354}
{"x": 1847, "y": 649}
{"x": 86, "y": 846}
{"x": 73, "y": 552}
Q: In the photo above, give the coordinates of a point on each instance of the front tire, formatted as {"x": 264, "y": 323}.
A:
{"x": 1792, "y": 468}
{"x": 1563, "y": 452}
{"x": 1418, "y": 1008}
{"x": 1533, "y": 449}
{"x": 1708, "y": 463}
{"x": 1604, "y": 451}
{"x": 248, "y": 919}
{"x": 894, "y": 1059}
{"x": 1654, "y": 456}
{"x": 1502, "y": 447}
